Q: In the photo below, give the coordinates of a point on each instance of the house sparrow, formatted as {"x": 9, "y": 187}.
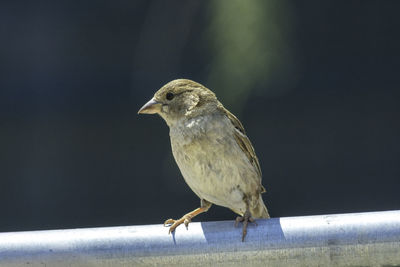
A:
{"x": 212, "y": 151}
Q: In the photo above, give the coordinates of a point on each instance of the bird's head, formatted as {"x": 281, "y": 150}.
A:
{"x": 179, "y": 99}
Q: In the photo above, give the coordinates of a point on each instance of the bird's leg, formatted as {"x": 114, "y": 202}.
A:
{"x": 246, "y": 218}
{"x": 187, "y": 218}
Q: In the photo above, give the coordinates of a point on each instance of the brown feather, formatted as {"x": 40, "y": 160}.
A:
{"x": 244, "y": 142}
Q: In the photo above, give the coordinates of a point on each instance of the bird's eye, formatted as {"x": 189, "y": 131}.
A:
{"x": 169, "y": 96}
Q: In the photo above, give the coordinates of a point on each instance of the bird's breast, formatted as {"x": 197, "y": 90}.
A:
{"x": 209, "y": 158}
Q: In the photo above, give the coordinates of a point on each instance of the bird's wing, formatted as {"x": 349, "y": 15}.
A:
{"x": 244, "y": 142}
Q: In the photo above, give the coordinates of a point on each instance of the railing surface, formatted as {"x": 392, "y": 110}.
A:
{"x": 357, "y": 239}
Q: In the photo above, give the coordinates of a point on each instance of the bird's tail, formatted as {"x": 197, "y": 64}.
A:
{"x": 260, "y": 210}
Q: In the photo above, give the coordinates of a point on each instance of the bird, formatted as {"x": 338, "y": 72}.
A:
{"x": 212, "y": 151}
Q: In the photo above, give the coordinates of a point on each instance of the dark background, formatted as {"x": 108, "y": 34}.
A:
{"x": 316, "y": 84}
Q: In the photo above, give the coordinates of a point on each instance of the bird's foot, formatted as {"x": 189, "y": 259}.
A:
{"x": 246, "y": 218}
{"x": 172, "y": 224}
{"x": 187, "y": 218}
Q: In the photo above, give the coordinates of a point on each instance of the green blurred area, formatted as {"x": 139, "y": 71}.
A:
{"x": 249, "y": 44}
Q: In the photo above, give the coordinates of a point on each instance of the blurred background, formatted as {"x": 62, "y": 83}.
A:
{"x": 316, "y": 84}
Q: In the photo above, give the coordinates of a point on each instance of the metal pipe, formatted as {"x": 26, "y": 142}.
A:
{"x": 358, "y": 239}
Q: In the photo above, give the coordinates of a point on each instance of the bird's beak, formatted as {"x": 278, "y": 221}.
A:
{"x": 150, "y": 107}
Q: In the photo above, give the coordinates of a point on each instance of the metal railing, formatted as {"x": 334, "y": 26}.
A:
{"x": 358, "y": 239}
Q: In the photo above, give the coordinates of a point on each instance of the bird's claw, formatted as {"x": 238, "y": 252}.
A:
{"x": 241, "y": 219}
{"x": 169, "y": 222}
{"x": 172, "y": 224}
{"x": 186, "y": 222}
{"x": 245, "y": 219}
